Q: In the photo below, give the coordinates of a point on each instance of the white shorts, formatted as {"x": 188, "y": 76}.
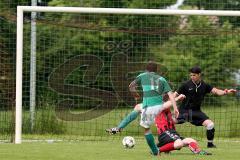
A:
{"x": 148, "y": 115}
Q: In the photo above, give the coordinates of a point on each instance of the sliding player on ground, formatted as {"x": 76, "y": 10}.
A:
{"x": 168, "y": 137}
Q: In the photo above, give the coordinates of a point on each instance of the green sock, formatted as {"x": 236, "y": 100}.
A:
{"x": 151, "y": 143}
{"x": 130, "y": 117}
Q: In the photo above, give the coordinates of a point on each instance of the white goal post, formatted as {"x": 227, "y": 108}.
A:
{"x": 19, "y": 42}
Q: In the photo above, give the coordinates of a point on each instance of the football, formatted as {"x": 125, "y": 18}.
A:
{"x": 128, "y": 142}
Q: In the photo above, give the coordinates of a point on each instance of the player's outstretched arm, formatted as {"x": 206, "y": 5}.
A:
{"x": 180, "y": 97}
{"x": 220, "y": 92}
{"x": 167, "y": 103}
{"x": 175, "y": 108}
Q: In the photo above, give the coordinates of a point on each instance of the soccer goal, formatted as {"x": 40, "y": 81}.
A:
{"x": 74, "y": 84}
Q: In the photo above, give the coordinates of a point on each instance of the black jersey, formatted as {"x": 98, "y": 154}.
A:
{"x": 194, "y": 94}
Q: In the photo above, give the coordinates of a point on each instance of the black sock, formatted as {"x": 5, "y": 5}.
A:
{"x": 210, "y": 135}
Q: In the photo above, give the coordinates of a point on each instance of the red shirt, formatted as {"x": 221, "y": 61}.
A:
{"x": 164, "y": 121}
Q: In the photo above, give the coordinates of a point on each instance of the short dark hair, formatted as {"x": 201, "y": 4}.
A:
{"x": 195, "y": 69}
{"x": 151, "y": 66}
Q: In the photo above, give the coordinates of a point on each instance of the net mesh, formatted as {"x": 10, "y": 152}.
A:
{"x": 85, "y": 62}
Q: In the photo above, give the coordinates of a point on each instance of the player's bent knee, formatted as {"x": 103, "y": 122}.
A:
{"x": 187, "y": 141}
{"x": 178, "y": 144}
{"x": 138, "y": 107}
{"x": 210, "y": 125}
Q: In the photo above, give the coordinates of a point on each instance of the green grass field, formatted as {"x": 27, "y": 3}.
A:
{"x": 108, "y": 150}
{"x": 88, "y": 141}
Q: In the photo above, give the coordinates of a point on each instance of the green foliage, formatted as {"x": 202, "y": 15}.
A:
{"x": 74, "y": 3}
{"x": 218, "y": 5}
{"x": 137, "y": 3}
{"x": 214, "y": 4}
{"x": 45, "y": 122}
{"x": 7, "y": 62}
{"x": 6, "y": 122}
{"x": 6, "y": 4}
{"x": 67, "y": 35}
{"x": 217, "y": 53}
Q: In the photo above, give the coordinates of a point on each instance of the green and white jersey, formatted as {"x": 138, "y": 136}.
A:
{"x": 153, "y": 86}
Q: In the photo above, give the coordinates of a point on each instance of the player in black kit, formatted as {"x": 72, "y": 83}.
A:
{"x": 190, "y": 110}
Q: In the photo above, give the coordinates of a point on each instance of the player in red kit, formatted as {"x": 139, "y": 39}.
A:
{"x": 168, "y": 137}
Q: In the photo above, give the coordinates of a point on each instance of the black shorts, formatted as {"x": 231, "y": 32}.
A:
{"x": 167, "y": 137}
{"x": 194, "y": 117}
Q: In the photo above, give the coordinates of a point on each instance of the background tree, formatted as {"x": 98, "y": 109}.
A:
{"x": 218, "y": 5}
{"x": 209, "y": 48}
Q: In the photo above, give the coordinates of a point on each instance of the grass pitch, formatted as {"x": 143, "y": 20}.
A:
{"x": 108, "y": 150}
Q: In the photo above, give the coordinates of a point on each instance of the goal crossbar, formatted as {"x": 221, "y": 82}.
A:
{"x": 128, "y": 11}
{"x": 19, "y": 42}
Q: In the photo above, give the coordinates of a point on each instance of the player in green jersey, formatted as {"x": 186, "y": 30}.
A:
{"x": 153, "y": 87}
